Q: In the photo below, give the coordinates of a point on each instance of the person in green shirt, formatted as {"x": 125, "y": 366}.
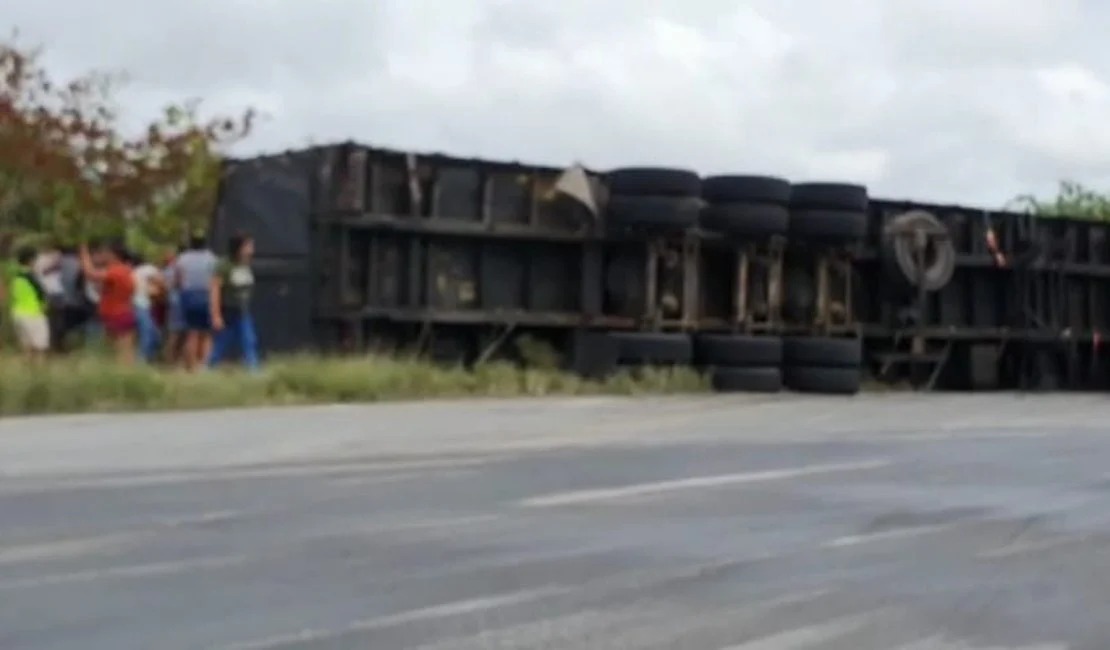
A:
{"x": 231, "y": 304}
{"x": 7, "y": 270}
{"x": 27, "y": 305}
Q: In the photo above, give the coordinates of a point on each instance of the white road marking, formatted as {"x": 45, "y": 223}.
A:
{"x": 1027, "y": 547}
{"x": 131, "y": 571}
{"x": 418, "y": 525}
{"x": 806, "y": 637}
{"x": 899, "y": 533}
{"x": 359, "y": 480}
{"x": 942, "y": 643}
{"x": 33, "y": 551}
{"x": 641, "y": 623}
{"x": 63, "y": 548}
{"x": 455, "y": 608}
{"x": 390, "y": 471}
{"x": 210, "y": 517}
{"x": 641, "y": 489}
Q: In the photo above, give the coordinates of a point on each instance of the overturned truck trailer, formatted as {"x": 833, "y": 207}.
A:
{"x": 763, "y": 283}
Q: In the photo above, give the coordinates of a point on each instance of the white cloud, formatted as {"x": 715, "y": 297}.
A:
{"x": 948, "y": 100}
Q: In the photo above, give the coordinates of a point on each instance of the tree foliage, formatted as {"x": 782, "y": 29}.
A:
{"x": 1073, "y": 200}
{"x": 68, "y": 169}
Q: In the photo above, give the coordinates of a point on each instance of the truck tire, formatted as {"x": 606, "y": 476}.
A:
{"x": 833, "y": 381}
{"x": 827, "y": 352}
{"x": 718, "y": 350}
{"x": 653, "y": 348}
{"x": 660, "y": 213}
{"x": 827, "y": 225}
{"x": 654, "y": 181}
{"x": 900, "y": 258}
{"x": 746, "y": 380}
{"x": 833, "y": 196}
{"x": 746, "y": 220}
{"x": 746, "y": 189}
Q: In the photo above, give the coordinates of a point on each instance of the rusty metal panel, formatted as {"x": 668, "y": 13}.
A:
{"x": 452, "y": 275}
{"x": 389, "y": 265}
{"x": 270, "y": 198}
{"x": 954, "y": 301}
{"x": 510, "y": 197}
{"x": 390, "y": 191}
{"x": 1098, "y": 245}
{"x": 987, "y": 295}
{"x": 504, "y": 268}
{"x": 1078, "y": 311}
{"x": 554, "y": 278}
{"x": 1098, "y": 301}
{"x": 458, "y": 192}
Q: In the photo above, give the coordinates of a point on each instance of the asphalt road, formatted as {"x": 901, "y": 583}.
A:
{"x": 897, "y": 522}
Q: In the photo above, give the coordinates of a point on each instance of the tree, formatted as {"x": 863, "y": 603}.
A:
{"x": 1073, "y": 200}
{"x": 68, "y": 170}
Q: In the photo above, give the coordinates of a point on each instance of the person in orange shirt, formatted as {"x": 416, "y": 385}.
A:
{"x": 117, "y": 290}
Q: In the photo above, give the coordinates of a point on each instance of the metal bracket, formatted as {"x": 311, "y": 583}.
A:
{"x": 494, "y": 345}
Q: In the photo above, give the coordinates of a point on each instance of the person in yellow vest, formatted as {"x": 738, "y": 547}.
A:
{"x": 28, "y": 307}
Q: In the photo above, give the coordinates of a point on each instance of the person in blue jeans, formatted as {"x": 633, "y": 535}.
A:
{"x": 231, "y": 301}
{"x": 148, "y": 285}
{"x": 195, "y": 282}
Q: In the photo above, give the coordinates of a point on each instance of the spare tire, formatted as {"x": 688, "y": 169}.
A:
{"x": 653, "y": 212}
{"x": 746, "y": 189}
{"x": 746, "y": 220}
{"x": 654, "y": 181}
{"x": 900, "y": 252}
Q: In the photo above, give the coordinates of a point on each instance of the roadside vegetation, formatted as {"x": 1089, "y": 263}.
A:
{"x": 1072, "y": 200}
{"x": 95, "y": 383}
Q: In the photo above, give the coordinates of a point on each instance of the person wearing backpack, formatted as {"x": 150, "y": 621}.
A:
{"x": 28, "y": 306}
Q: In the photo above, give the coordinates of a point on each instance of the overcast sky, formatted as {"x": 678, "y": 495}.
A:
{"x": 946, "y": 100}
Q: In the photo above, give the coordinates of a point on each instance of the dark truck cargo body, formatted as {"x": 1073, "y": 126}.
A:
{"x": 361, "y": 248}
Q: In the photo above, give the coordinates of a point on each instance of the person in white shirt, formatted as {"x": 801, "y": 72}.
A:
{"x": 148, "y": 282}
{"x": 47, "y": 269}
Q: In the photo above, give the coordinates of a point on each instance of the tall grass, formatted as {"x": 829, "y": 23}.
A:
{"x": 90, "y": 382}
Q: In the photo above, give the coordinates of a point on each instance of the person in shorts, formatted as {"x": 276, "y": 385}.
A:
{"x": 195, "y": 277}
{"x": 117, "y": 290}
{"x": 28, "y": 306}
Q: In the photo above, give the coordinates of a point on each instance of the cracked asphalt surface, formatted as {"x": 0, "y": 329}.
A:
{"x": 906, "y": 522}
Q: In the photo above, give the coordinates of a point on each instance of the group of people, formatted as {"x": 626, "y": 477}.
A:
{"x": 191, "y": 308}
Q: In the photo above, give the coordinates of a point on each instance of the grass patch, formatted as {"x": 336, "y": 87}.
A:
{"x": 92, "y": 383}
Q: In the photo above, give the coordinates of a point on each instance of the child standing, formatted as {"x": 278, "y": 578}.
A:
{"x": 29, "y": 307}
